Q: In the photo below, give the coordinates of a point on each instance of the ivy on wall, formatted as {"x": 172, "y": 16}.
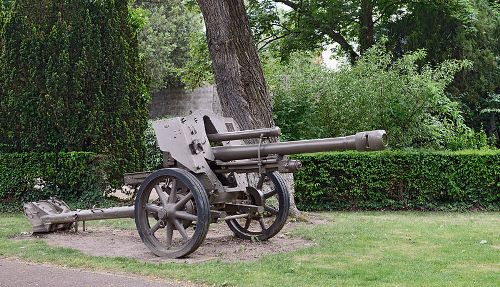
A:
{"x": 71, "y": 79}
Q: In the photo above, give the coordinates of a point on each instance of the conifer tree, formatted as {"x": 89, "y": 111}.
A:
{"x": 72, "y": 80}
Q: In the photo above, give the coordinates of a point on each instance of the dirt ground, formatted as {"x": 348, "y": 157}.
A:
{"x": 220, "y": 243}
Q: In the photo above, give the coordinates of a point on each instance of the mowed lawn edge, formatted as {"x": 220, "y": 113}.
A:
{"x": 351, "y": 249}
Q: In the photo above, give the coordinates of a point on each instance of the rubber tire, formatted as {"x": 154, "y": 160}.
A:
{"x": 202, "y": 212}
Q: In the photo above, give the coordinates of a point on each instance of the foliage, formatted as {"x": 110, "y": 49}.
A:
{"x": 71, "y": 80}
{"x": 395, "y": 180}
{"x": 457, "y": 30}
{"x": 138, "y": 18}
{"x": 410, "y": 103}
{"x": 165, "y": 40}
{"x": 491, "y": 111}
{"x": 462, "y": 30}
{"x": 153, "y": 159}
{"x": 198, "y": 70}
{"x": 76, "y": 177}
{"x": 296, "y": 88}
{"x": 493, "y": 105}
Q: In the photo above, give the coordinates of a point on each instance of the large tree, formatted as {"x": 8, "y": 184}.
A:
{"x": 445, "y": 29}
{"x": 310, "y": 24}
{"x": 238, "y": 72}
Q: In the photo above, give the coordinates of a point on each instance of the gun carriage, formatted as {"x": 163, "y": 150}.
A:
{"x": 209, "y": 175}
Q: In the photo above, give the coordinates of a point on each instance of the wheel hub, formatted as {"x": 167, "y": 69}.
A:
{"x": 256, "y": 196}
{"x": 162, "y": 213}
{"x": 169, "y": 212}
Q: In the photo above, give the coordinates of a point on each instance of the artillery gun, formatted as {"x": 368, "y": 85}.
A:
{"x": 209, "y": 175}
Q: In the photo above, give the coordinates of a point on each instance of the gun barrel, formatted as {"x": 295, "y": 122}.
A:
{"x": 362, "y": 141}
{"x": 248, "y": 134}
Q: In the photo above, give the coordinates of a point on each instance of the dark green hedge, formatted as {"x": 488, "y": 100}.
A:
{"x": 75, "y": 177}
{"x": 71, "y": 79}
{"x": 399, "y": 180}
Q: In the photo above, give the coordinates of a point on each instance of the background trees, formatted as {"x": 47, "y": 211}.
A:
{"x": 457, "y": 30}
{"x": 445, "y": 30}
{"x": 461, "y": 30}
{"x": 164, "y": 40}
{"x": 53, "y": 67}
{"x": 309, "y": 24}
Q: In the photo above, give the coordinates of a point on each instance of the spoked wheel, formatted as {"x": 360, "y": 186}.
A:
{"x": 271, "y": 192}
{"x": 172, "y": 213}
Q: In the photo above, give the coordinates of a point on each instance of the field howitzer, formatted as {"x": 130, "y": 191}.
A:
{"x": 208, "y": 175}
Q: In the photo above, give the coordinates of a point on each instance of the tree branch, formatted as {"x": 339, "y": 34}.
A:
{"x": 341, "y": 40}
{"x": 335, "y": 36}
{"x": 270, "y": 41}
{"x": 289, "y": 3}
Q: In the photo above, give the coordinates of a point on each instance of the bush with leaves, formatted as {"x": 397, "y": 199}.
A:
{"x": 198, "y": 70}
{"x": 71, "y": 80}
{"x": 153, "y": 159}
{"x": 79, "y": 178}
{"x": 399, "y": 180}
{"x": 377, "y": 93}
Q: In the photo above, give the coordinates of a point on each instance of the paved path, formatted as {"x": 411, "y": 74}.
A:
{"x": 20, "y": 274}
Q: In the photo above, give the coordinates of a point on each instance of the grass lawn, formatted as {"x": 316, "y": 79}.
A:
{"x": 353, "y": 249}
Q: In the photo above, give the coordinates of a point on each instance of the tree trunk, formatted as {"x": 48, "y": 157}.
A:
{"x": 366, "y": 33}
{"x": 492, "y": 130}
{"x": 238, "y": 72}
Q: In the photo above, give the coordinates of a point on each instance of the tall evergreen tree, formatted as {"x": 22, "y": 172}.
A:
{"x": 72, "y": 80}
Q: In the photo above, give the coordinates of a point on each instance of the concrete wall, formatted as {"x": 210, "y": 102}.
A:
{"x": 179, "y": 102}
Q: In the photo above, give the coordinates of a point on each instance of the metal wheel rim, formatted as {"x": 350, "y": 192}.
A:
{"x": 168, "y": 214}
{"x": 280, "y": 214}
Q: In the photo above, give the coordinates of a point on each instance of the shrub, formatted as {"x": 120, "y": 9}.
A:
{"x": 377, "y": 93}
{"x": 71, "y": 80}
{"x": 76, "y": 177}
{"x": 419, "y": 180}
{"x": 153, "y": 158}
